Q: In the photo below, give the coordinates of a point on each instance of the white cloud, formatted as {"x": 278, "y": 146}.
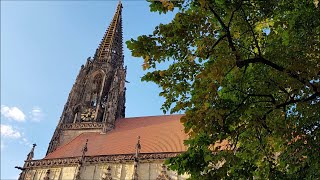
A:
{"x": 9, "y": 131}
{"x": 36, "y": 114}
{"x": 13, "y": 113}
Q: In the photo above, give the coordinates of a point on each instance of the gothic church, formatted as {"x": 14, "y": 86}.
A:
{"x": 94, "y": 140}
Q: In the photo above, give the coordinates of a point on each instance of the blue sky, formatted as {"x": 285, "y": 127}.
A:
{"x": 43, "y": 45}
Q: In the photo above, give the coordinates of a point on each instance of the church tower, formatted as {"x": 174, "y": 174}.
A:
{"x": 97, "y": 98}
{"x": 93, "y": 139}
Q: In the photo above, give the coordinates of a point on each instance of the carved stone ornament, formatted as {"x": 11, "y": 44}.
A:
{"x": 163, "y": 175}
{"x": 74, "y": 161}
{"x": 47, "y": 175}
{"x": 107, "y": 175}
{"x": 29, "y": 176}
{"x": 77, "y": 176}
{"x": 91, "y": 125}
{"x": 88, "y": 114}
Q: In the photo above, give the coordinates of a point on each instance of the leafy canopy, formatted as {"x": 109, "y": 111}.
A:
{"x": 246, "y": 74}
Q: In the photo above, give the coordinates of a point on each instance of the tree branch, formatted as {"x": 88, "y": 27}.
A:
{"x": 313, "y": 96}
{"x": 239, "y": 105}
{"x": 240, "y": 63}
{"x": 251, "y": 29}
{"x": 264, "y": 61}
{"x": 215, "y": 44}
{"x": 228, "y": 34}
{"x": 264, "y": 121}
{"x": 246, "y": 62}
{"x": 264, "y": 95}
{"x": 233, "y": 12}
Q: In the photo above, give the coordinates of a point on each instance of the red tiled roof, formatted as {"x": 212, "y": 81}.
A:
{"x": 157, "y": 134}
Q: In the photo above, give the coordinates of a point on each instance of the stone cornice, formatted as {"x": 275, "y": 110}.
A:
{"x": 74, "y": 161}
{"x": 89, "y": 125}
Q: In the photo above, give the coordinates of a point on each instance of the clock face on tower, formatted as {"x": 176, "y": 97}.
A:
{"x": 88, "y": 114}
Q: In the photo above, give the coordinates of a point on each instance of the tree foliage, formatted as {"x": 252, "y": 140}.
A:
{"x": 246, "y": 74}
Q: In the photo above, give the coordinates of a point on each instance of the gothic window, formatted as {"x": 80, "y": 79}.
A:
{"x": 94, "y": 99}
{"x": 75, "y": 117}
{"x": 76, "y": 114}
{"x": 97, "y": 82}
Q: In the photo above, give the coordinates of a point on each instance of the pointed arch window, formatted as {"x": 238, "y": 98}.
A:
{"x": 97, "y": 83}
{"x": 76, "y": 113}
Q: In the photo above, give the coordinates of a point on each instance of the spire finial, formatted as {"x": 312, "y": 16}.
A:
{"x": 31, "y": 153}
{"x": 111, "y": 44}
{"x": 136, "y": 160}
{"x": 29, "y": 157}
{"x": 138, "y": 147}
{"x": 85, "y": 148}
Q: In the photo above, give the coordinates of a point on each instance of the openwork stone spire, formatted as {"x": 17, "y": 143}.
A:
{"x": 97, "y": 98}
{"x": 112, "y": 40}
